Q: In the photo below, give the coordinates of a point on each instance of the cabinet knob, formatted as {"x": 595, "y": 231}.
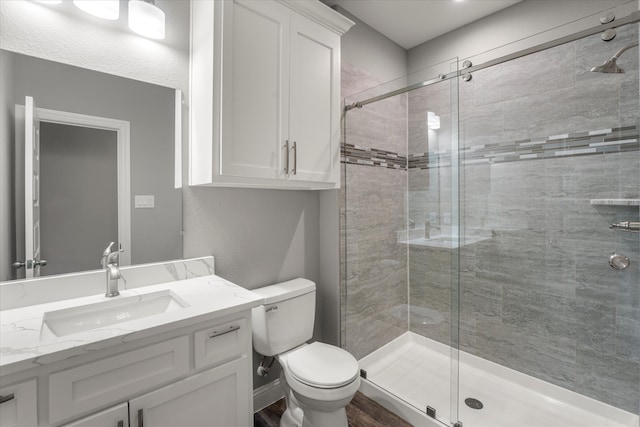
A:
{"x": 140, "y": 418}
{"x": 120, "y": 423}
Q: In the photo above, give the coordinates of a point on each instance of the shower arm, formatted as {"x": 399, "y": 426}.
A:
{"x": 621, "y": 51}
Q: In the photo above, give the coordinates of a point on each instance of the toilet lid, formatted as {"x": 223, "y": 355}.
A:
{"x": 322, "y": 365}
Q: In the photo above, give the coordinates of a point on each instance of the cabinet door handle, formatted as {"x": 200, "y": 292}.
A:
{"x": 295, "y": 158}
{"x": 286, "y": 157}
{"x": 7, "y": 398}
{"x": 217, "y": 333}
{"x": 140, "y": 418}
{"x": 120, "y": 423}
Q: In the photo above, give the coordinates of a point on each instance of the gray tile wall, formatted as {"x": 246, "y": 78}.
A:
{"x": 374, "y": 309}
{"x": 540, "y": 297}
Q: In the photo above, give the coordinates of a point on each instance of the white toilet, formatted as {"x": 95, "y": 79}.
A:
{"x": 318, "y": 379}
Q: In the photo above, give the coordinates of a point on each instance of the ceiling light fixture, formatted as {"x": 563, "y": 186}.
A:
{"x": 146, "y": 19}
{"x": 105, "y": 9}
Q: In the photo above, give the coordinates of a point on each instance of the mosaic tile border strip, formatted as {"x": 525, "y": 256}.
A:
{"x": 601, "y": 141}
{"x": 365, "y": 156}
{"x": 615, "y": 140}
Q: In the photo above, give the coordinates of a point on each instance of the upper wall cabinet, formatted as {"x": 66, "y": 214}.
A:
{"x": 265, "y": 94}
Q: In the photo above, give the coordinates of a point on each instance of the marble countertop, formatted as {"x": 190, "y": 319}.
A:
{"x": 25, "y": 344}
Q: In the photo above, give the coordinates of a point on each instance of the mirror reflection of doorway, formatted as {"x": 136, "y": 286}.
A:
{"x": 78, "y": 196}
{"x": 87, "y": 185}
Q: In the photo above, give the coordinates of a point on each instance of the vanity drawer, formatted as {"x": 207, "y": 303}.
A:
{"x": 87, "y": 387}
{"x": 19, "y": 405}
{"x": 221, "y": 342}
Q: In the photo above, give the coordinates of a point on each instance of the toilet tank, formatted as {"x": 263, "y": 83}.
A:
{"x": 286, "y": 317}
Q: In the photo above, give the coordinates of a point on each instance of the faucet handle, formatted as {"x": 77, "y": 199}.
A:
{"x": 107, "y": 251}
{"x": 105, "y": 255}
{"x": 114, "y": 257}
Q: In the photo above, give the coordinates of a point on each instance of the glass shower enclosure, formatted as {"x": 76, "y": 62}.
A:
{"x": 490, "y": 253}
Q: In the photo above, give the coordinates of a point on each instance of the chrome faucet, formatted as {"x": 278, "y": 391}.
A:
{"x": 110, "y": 264}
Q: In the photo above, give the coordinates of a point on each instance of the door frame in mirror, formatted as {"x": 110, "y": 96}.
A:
{"x": 122, "y": 129}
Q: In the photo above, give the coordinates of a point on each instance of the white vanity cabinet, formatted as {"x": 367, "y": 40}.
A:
{"x": 18, "y": 405}
{"x": 197, "y": 376}
{"x": 265, "y": 94}
{"x": 218, "y": 397}
{"x": 117, "y": 416}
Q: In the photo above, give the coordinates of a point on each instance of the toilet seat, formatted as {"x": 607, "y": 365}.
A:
{"x": 322, "y": 365}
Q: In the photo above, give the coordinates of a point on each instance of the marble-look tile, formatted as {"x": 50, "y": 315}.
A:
{"x": 21, "y": 293}
{"x": 543, "y": 115}
{"x": 530, "y": 75}
{"x": 627, "y": 337}
{"x": 608, "y": 379}
{"x": 538, "y": 313}
{"x": 548, "y": 357}
{"x": 617, "y": 176}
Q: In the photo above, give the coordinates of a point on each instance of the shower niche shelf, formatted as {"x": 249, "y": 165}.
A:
{"x": 616, "y": 202}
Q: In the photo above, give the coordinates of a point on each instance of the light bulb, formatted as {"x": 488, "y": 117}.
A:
{"x": 48, "y": 1}
{"x": 105, "y": 9}
{"x": 146, "y": 19}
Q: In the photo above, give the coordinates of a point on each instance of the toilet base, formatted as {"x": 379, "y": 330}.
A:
{"x": 296, "y": 417}
{"x": 297, "y": 414}
{"x": 325, "y": 419}
{"x": 291, "y": 418}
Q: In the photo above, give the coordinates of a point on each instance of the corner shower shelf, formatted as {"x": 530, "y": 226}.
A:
{"x": 616, "y": 202}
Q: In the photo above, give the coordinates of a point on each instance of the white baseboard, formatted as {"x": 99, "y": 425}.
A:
{"x": 267, "y": 394}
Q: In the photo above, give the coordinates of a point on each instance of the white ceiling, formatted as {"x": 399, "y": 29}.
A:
{"x": 412, "y": 22}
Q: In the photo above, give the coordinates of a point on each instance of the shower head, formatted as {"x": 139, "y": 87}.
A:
{"x": 610, "y": 66}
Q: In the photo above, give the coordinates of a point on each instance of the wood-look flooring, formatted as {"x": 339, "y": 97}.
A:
{"x": 361, "y": 412}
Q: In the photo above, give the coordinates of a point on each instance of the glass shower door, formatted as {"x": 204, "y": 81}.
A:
{"x": 399, "y": 236}
{"x": 548, "y": 162}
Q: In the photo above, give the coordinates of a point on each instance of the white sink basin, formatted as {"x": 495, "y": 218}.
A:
{"x": 116, "y": 310}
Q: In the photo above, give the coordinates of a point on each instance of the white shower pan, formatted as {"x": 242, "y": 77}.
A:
{"x": 412, "y": 372}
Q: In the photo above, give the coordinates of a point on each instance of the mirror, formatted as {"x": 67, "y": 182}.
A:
{"x": 81, "y": 185}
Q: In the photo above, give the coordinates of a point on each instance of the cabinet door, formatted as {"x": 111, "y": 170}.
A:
{"x": 19, "y": 405}
{"x": 315, "y": 76}
{"x": 255, "y": 89}
{"x": 117, "y": 416}
{"x": 217, "y": 397}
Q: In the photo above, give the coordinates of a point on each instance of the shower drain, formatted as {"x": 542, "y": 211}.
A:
{"x": 473, "y": 403}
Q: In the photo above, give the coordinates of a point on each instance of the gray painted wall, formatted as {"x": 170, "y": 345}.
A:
{"x": 366, "y": 49}
{"x": 259, "y": 237}
{"x": 155, "y": 233}
{"x": 78, "y": 196}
